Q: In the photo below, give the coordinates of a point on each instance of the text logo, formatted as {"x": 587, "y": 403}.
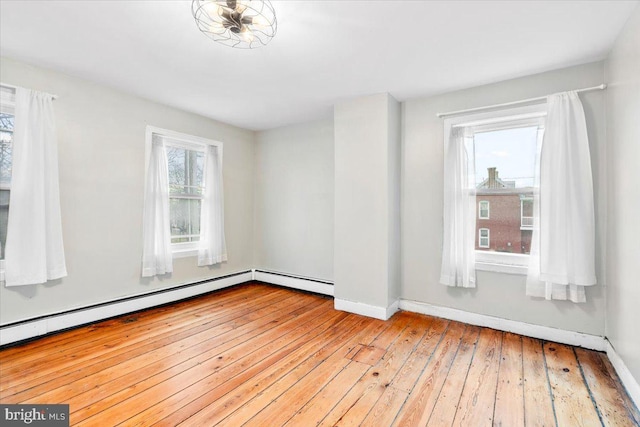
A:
{"x": 34, "y": 415}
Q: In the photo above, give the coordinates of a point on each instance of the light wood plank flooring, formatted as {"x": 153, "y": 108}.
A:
{"x": 259, "y": 355}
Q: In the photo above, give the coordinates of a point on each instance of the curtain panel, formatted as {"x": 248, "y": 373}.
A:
{"x": 213, "y": 247}
{"x": 458, "y": 249}
{"x": 562, "y": 260}
{"x": 157, "y": 257}
{"x": 34, "y": 251}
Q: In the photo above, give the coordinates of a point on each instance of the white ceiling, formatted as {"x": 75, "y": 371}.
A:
{"x": 324, "y": 51}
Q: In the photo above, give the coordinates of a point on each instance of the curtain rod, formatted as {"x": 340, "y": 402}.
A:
{"x": 16, "y": 87}
{"x": 522, "y": 101}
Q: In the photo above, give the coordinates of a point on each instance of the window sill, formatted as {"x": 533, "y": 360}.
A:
{"x": 501, "y": 268}
{"x": 499, "y": 262}
{"x": 185, "y": 253}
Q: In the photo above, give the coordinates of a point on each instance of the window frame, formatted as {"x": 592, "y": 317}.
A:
{"x": 480, "y": 209}
{"x": 187, "y": 142}
{"x": 508, "y": 118}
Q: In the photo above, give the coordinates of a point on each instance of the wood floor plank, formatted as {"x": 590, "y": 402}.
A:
{"x": 368, "y": 389}
{"x": 129, "y": 356}
{"x": 610, "y": 403}
{"x": 446, "y": 407}
{"x": 205, "y": 413}
{"x": 571, "y": 398}
{"x": 329, "y": 396}
{"x": 333, "y": 354}
{"x": 386, "y": 408}
{"x": 283, "y": 407}
{"x": 139, "y": 396}
{"x": 410, "y": 372}
{"x": 269, "y": 348}
{"x": 478, "y": 396}
{"x": 110, "y": 344}
{"x": 538, "y": 402}
{"x": 423, "y": 398}
{"x": 628, "y": 403}
{"x": 367, "y": 383}
{"x": 509, "y": 404}
{"x": 153, "y": 373}
{"x": 56, "y": 345}
{"x": 268, "y": 356}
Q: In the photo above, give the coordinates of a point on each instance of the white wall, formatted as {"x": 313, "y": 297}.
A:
{"x": 101, "y": 136}
{"x": 394, "y": 147}
{"x": 366, "y": 181}
{"x": 499, "y": 295}
{"x": 623, "y": 137}
{"x": 294, "y": 200}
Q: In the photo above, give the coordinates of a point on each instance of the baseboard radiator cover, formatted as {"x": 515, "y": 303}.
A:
{"x": 294, "y": 282}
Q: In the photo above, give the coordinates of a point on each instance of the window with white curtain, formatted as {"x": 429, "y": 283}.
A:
{"x": 186, "y": 158}
{"x": 502, "y": 157}
{"x": 186, "y": 190}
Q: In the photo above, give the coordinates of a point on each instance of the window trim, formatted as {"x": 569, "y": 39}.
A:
{"x": 529, "y": 115}
{"x": 480, "y": 209}
{"x": 501, "y": 262}
{"x": 480, "y": 237}
{"x": 188, "y": 142}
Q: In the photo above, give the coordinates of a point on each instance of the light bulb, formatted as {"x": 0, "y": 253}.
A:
{"x": 260, "y": 21}
{"x": 247, "y": 35}
{"x": 212, "y": 9}
{"x": 241, "y": 5}
{"x": 216, "y": 27}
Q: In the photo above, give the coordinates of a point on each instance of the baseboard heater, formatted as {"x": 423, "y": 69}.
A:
{"x": 295, "y": 282}
{"x": 15, "y": 332}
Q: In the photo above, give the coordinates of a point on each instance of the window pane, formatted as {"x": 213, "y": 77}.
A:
{"x": 6, "y": 138}
{"x": 185, "y": 220}
{"x": 484, "y": 209}
{"x": 185, "y": 170}
{"x": 505, "y": 169}
{"x": 4, "y": 215}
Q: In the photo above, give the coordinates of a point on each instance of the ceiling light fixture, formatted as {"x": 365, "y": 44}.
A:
{"x": 244, "y": 24}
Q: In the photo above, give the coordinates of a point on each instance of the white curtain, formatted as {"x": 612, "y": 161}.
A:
{"x": 213, "y": 247}
{"x": 563, "y": 243}
{"x": 458, "y": 251}
{"x": 35, "y": 251}
{"x": 157, "y": 257}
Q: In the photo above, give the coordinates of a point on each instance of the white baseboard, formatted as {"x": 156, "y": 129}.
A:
{"x": 300, "y": 283}
{"x": 60, "y": 321}
{"x": 382, "y": 313}
{"x": 393, "y": 309}
{"x": 592, "y": 342}
{"x": 627, "y": 379}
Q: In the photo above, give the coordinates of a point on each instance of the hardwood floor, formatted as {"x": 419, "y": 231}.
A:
{"x": 258, "y": 355}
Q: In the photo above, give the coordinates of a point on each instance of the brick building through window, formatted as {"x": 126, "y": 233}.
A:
{"x": 510, "y": 222}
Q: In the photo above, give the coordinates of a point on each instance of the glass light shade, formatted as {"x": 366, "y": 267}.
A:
{"x": 244, "y": 24}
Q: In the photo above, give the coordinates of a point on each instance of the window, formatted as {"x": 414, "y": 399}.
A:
{"x": 526, "y": 213}
{"x": 186, "y": 160}
{"x": 503, "y": 147}
{"x": 483, "y": 209}
{"x": 483, "y": 238}
{"x": 186, "y": 189}
{"x": 7, "y": 105}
